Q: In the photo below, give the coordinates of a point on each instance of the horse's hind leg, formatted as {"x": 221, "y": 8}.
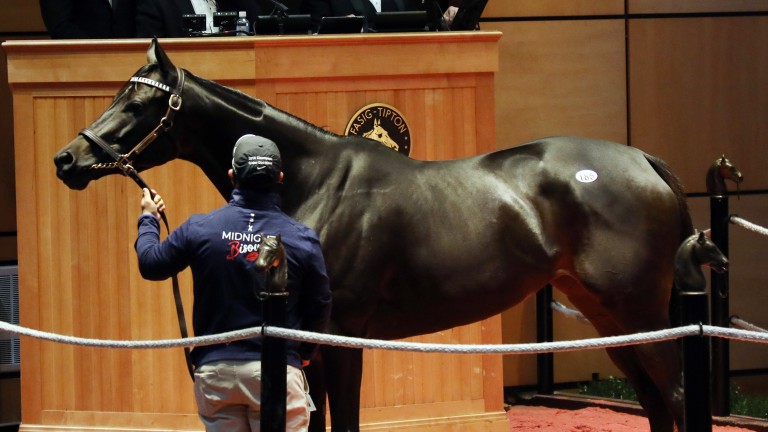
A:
{"x": 662, "y": 363}
{"x": 649, "y": 396}
{"x": 654, "y": 370}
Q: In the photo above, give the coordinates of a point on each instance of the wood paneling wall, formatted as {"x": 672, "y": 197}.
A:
{"x": 561, "y": 78}
{"x": 552, "y": 8}
{"x": 21, "y": 16}
{"x": 695, "y": 6}
{"x": 696, "y": 93}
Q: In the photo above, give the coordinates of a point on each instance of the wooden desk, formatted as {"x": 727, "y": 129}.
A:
{"x": 77, "y": 270}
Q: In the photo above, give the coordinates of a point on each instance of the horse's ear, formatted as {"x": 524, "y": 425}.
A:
{"x": 153, "y": 46}
{"x": 703, "y": 237}
{"x": 156, "y": 54}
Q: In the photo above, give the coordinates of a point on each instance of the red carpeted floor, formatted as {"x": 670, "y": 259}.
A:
{"x": 593, "y": 419}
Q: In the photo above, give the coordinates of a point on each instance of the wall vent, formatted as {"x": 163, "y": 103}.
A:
{"x": 9, "y": 312}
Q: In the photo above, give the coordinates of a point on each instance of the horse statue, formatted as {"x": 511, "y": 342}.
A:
{"x": 381, "y": 135}
{"x": 695, "y": 252}
{"x": 599, "y": 221}
{"x": 271, "y": 262}
{"x": 721, "y": 170}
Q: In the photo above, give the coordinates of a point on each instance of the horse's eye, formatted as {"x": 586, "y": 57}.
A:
{"x": 134, "y": 107}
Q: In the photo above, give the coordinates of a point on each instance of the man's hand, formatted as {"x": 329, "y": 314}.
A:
{"x": 149, "y": 205}
{"x": 449, "y": 15}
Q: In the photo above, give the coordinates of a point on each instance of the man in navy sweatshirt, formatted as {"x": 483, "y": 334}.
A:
{"x": 219, "y": 247}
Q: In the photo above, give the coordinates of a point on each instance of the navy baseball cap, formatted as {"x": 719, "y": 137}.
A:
{"x": 256, "y": 160}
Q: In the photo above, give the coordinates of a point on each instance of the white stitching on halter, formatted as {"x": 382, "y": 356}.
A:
{"x": 152, "y": 83}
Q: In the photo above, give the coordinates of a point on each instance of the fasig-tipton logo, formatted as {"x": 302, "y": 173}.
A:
{"x": 383, "y": 123}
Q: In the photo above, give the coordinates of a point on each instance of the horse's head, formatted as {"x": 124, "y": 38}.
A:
{"x": 271, "y": 260}
{"x": 720, "y": 170}
{"x": 122, "y": 138}
{"x": 270, "y": 253}
{"x": 697, "y": 251}
{"x": 707, "y": 254}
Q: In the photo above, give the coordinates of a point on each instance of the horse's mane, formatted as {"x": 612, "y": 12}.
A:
{"x": 250, "y": 100}
{"x": 237, "y": 94}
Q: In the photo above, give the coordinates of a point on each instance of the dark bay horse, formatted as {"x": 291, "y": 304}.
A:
{"x": 599, "y": 221}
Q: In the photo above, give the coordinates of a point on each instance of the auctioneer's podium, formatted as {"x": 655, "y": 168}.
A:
{"x": 77, "y": 267}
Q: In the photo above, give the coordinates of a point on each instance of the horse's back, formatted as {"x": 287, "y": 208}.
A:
{"x": 603, "y": 176}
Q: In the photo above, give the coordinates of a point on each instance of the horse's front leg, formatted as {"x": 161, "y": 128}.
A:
{"x": 343, "y": 375}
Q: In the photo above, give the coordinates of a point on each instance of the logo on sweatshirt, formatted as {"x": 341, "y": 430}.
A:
{"x": 246, "y": 243}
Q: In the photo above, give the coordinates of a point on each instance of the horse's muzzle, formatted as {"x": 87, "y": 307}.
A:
{"x": 719, "y": 267}
{"x": 66, "y": 169}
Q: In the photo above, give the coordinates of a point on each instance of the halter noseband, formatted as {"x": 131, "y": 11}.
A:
{"x": 124, "y": 162}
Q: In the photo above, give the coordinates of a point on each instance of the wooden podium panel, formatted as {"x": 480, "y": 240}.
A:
{"x": 77, "y": 267}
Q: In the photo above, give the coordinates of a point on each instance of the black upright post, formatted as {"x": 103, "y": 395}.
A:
{"x": 696, "y": 371}
{"x": 274, "y": 367}
{"x": 545, "y": 369}
{"x": 721, "y": 365}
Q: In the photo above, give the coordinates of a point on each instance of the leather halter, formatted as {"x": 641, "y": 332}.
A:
{"x": 124, "y": 164}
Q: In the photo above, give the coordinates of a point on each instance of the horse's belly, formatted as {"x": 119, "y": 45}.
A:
{"x": 450, "y": 306}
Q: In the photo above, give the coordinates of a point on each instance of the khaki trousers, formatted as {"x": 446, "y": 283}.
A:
{"x": 228, "y": 395}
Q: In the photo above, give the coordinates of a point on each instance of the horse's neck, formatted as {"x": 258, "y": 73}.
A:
{"x": 715, "y": 182}
{"x": 217, "y": 117}
{"x": 278, "y": 276}
{"x": 688, "y": 274}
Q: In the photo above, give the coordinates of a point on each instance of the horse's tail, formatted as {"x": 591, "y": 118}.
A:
{"x": 663, "y": 170}
{"x": 686, "y": 224}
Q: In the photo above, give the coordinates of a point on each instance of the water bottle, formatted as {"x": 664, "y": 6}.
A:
{"x": 242, "y": 25}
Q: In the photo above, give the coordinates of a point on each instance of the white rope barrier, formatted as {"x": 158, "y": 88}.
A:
{"x": 568, "y": 312}
{"x": 528, "y": 348}
{"x": 350, "y": 342}
{"x": 740, "y": 323}
{"x": 736, "y": 220}
{"x": 142, "y": 344}
{"x": 736, "y": 334}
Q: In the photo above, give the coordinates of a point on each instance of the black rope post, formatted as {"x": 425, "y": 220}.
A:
{"x": 274, "y": 366}
{"x": 545, "y": 362}
{"x": 696, "y": 369}
{"x": 721, "y": 364}
{"x": 720, "y": 170}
